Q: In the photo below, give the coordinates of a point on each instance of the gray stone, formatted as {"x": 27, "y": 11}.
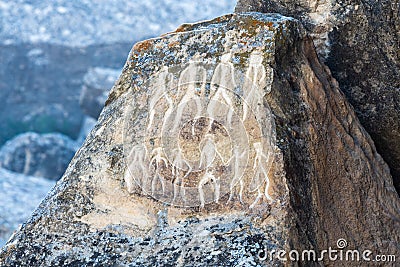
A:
{"x": 141, "y": 192}
{"x": 46, "y": 155}
{"x": 97, "y": 82}
{"x": 359, "y": 41}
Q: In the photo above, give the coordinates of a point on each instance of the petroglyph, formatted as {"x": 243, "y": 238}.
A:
{"x": 192, "y": 82}
{"x": 261, "y": 174}
{"x": 222, "y": 80}
{"x": 157, "y": 160}
{"x": 137, "y": 167}
{"x": 257, "y": 84}
{"x": 209, "y": 151}
{"x": 163, "y": 81}
{"x": 211, "y": 136}
{"x": 238, "y": 155}
{"x": 179, "y": 164}
{"x": 215, "y": 181}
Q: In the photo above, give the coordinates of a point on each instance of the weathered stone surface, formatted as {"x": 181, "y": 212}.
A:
{"x": 312, "y": 173}
{"x": 360, "y": 42}
{"x": 46, "y": 155}
{"x": 97, "y": 82}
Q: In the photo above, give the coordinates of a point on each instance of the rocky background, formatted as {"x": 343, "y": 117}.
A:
{"x": 327, "y": 182}
{"x": 58, "y": 60}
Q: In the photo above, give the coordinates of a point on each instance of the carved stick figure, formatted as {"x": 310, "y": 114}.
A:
{"x": 238, "y": 175}
{"x": 137, "y": 159}
{"x": 207, "y": 178}
{"x": 168, "y": 112}
{"x": 192, "y": 75}
{"x": 208, "y": 152}
{"x": 163, "y": 83}
{"x": 179, "y": 163}
{"x": 222, "y": 80}
{"x": 158, "y": 159}
{"x": 253, "y": 87}
{"x": 258, "y": 164}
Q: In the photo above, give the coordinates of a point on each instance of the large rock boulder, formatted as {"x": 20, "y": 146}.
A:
{"x": 360, "y": 42}
{"x": 46, "y": 48}
{"x": 33, "y": 154}
{"x": 219, "y": 142}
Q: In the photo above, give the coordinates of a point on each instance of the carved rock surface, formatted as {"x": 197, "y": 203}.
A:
{"x": 148, "y": 187}
{"x": 360, "y": 42}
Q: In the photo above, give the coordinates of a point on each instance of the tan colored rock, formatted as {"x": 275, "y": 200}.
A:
{"x": 219, "y": 141}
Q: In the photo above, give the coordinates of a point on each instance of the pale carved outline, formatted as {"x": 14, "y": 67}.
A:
{"x": 192, "y": 82}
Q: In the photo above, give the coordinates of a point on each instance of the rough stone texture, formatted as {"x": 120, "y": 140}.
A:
{"x": 326, "y": 180}
{"x": 360, "y": 42}
{"x": 46, "y": 155}
{"x": 20, "y": 196}
{"x": 97, "y": 82}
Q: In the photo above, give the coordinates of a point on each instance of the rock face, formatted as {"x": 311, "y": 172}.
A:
{"x": 46, "y": 155}
{"x": 220, "y": 141}
{"x": 360, "y": 42}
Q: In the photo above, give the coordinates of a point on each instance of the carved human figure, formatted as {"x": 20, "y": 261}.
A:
{"x": 179, "y": 163}
{"x": 156, "y": 161}
{"x": 261, "y": 174}
{"x": 137, "y": 159}
{"x": 208, "y": 152}
{"x": 223, "y": 80}
{"x": 168, "y": 112}
{"x": 208, "y": 177}
{"x": 255, "y": 83}
{"x": 192, "y": 82}
{"x": 238, "y": 154}
{"x": 163, "y": 83}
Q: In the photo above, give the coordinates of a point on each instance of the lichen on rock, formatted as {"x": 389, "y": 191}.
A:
{"x": 219, "y": 141}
